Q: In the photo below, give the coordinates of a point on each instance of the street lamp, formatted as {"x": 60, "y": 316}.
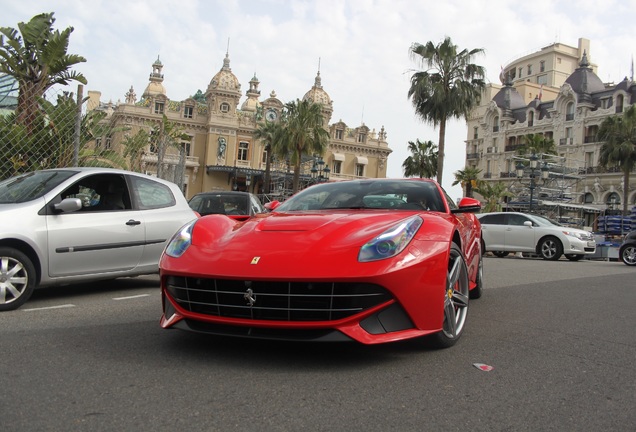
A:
{"x": 248, "y": 181}
{"x": 319, "y": 172}
{"x": 534, "y": 163}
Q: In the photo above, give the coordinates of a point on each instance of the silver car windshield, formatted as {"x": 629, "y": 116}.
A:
{"x": 30, "y": 186}
{"x": 543, "y": 221}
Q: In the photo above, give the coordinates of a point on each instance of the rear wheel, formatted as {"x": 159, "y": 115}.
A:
{"x": 455, "y": 301}
{"x": 628, "y": 254}
{"x": 550, "y": 248}
{"x": 17, "y": 278}
{"x": 574, "y": 257}
{"x": 500, "y": 254}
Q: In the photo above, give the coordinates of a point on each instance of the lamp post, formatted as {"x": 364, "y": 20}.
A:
{"x": 248, "y": 181}
{"x": 319, "y": 172}
{"x": 534, "y": 164}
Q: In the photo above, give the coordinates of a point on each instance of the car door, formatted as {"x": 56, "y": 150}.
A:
{"x": 106, "y": 235}
{"x": 492, "y": 230}
{"x": 519, "y": 237}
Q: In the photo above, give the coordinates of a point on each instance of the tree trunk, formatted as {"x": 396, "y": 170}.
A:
{"x": 440, "y": 151}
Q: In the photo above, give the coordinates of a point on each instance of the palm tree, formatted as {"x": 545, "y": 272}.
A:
{"x": 269, "y": 133}
{"x": 164, "y": 135}
{"x": 423, "y": 160}
{"x": 449, "y": 86}
{"x": 493, "y": 193}
{"x": 619, "y": 148}
{"x": 134, "y": 148}
{"x": 468, "y": 178}
{"x": 537, "y": 144}
{"x": 303, "y": 134}
{"x": 37, "y": 58}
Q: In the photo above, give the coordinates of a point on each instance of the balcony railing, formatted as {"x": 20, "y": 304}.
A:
{"x": 487, "y": 175}
{"x": 590, "y": 139}
{"x": 472, "y": 156}
{"x": 566, "y": 141}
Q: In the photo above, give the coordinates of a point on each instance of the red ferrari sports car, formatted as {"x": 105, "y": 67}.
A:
{"x": 374, "y": 260}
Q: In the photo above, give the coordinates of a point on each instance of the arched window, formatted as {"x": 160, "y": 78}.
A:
{"x": 588, "y": 198}
{"x": 531, "y": 118}
{"x": 495, "y": 125}
{"x": 619, "y": 103}
{"x": 569, "y": 111}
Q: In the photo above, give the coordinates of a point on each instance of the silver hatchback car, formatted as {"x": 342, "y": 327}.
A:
{"x": 71, "y": 225}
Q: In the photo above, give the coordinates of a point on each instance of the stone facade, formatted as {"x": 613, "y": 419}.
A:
{"x": 221, "y": 152}
{"x": 560, "y": 97}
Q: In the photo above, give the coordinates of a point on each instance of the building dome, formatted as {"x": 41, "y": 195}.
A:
{"x": 583, "y": 80}
{"x": 225, "y": 79}
{"x": 509, "y": 98}
{"x": 155, "y": 85}
{"x": 317, "y": 94}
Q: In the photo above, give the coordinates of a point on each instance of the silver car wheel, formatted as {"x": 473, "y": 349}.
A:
{"x": 17, "y": 279}
{"x": 456, "y": 297}
{"x": 551, "y": 249}
{"x": 628, "y": 255}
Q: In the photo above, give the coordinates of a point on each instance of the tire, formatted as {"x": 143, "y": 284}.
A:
{"x": 550, "y": 248}
{"x": 483, "y": 247}
{"x": 455, "y": 301}
{"x": 574, "y": 257}
{"x": 17, "y": 279}
{"x": 627, "y": 253}
{"x": 500, "y": 254}
{"x": 476, "y": 292}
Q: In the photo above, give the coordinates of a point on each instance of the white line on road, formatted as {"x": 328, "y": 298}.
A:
{"x": 131, "y": 297}
{"x": 49, "y": 307}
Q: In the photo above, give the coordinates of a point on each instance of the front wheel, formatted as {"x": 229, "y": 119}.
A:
{"x": 455, "y": 300}
{"x": 628, "y": 254}
{"x": 574, "y": 257}
{"x": 550, "y": 248}
{"x": 17, "y": 279}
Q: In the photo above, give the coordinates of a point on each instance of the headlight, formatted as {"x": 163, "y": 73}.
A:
{"x": 181, "y": 241}
{"x": 578, "y": 235}
{"x": 391, "y": 242}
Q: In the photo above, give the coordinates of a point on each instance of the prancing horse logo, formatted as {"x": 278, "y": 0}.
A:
{"x": 249, "y": 297}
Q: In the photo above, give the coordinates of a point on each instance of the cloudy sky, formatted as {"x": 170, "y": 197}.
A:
{"x": 362, "y": 47}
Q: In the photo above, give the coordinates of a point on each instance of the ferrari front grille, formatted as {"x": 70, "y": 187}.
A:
{"x": 274, "y": 300}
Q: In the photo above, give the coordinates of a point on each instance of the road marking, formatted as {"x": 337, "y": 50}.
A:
{"x": 131, "y": 297}
{"x": 49, "y": 307}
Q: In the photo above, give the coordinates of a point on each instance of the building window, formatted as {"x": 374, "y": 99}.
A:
{"x": 588, "y": 198}
{"x": 605, "y": 103}
{"x": 542, "y": 79}
{"x": 529, "y": 69}
{"x": 98, "y": 143}
{"x": 225, "y": 107}
{"x": 619, "y": 103}
{"x": 109, "y": 141}
{"x": 187, "y": 147}
{"x": 339, "y": 134}
{"x": 337, "y": 167}
{"x": 264, "y": 159}
{"x": 475, "y": 132}
{"x": 495, "y": 126}
{"x": 360, "y": 170}
{"x": 188, "y": 112}
{"x": 531, "y": 118}
{"x": 243, "y": 151}
{"x": 520, "y": 72}
{"x": 158, "y": 107}
{"x": 361, "y": 137}
{"x": 542, "y": 66}
{"x": 569, "y": 112}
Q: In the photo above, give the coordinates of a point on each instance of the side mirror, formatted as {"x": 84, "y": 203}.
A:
{"x": 468, "y": 205}
{"x": 528, "y": 224}
{"x": 67, "y": 205}
{"x": 270, "y": 206}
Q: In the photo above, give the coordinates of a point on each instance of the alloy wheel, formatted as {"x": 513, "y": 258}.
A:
{"x": 456, "y": 298}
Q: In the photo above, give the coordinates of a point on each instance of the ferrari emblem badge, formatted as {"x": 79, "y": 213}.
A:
{"x": 249, "y": 297}
{"x": 255, "y": 260}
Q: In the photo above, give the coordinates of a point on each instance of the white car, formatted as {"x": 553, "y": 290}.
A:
{"x": 505, "y": 232}
{"x": 70, "y": 225}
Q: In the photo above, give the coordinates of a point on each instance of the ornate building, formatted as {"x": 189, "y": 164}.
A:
{"x": 556, "y": 94}
{"x": 219, "y": 151}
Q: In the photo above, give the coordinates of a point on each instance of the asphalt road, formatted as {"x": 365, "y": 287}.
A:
{"x": 559, "y": 337}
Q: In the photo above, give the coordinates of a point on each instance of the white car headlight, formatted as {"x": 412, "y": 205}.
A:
{"x": 578, "y": 235}
{"x": 181, "y": 241}
{"x": 391, "y": 242}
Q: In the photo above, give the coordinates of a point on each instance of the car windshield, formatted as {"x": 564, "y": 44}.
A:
{"x": 367, "y": 194}
{"x": 27, "y": 187}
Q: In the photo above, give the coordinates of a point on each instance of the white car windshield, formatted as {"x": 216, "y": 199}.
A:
{"x": 27, "y": 187}
{"x": 543, "y": 221}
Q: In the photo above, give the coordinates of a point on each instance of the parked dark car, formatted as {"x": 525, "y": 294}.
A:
{"x": 237, "y": 205}
{"x": 627, "y": 251}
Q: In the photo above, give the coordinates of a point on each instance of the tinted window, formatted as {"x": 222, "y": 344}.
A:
{"x": 492, "y": 219}
{"x": 151, "y": 194}
{"x": 517, "y": 220}
{"x": 100, "y": 192}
